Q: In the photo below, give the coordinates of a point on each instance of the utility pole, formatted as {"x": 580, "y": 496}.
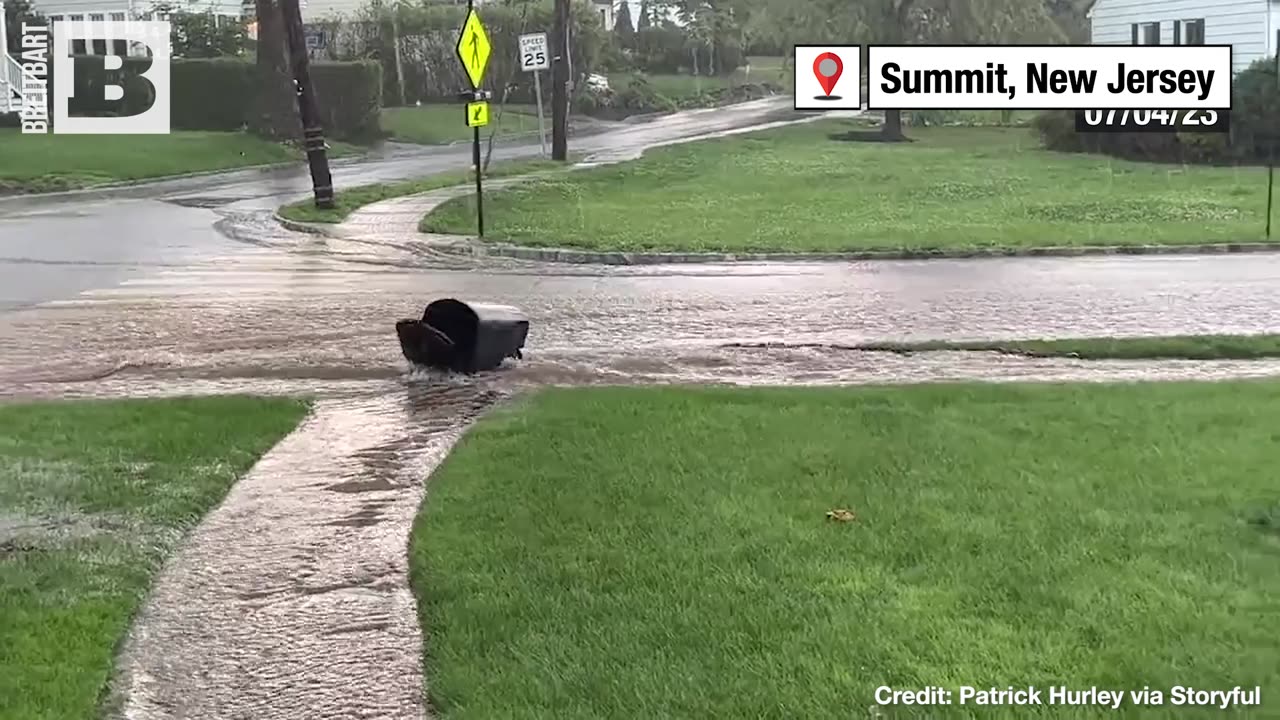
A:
{"x": 560, "y": 83}
{"x": 1273, "y": 139}
{"x": 312, "y": 132}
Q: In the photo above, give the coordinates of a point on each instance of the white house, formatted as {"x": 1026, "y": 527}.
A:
{"x": 1251, "y": 27}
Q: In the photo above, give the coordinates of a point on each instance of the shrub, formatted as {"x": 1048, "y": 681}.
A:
{"x": 1255, "y": 129}
{"x": 10, "y": 120}
{"x": 350, "y": 98}
{"x": 1255, "y": 111}
{"x": 213, "y": 94}
{"x": 661, "y": 50}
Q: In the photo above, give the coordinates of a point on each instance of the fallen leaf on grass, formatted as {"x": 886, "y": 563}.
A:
{"x": 842, "y": 515}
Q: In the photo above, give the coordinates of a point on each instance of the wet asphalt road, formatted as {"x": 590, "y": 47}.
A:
{"x": 55, "y": 246}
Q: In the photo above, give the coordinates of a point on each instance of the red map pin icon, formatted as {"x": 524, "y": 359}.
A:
{"x": 827, "y": 68}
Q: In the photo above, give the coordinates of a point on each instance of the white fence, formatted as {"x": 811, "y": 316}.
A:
{"x": 10, "y": 73}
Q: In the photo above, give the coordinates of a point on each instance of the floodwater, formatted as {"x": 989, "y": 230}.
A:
{"x": 291, "y": 599}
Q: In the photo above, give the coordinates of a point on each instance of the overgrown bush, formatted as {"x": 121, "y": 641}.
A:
{"x": 1254, "y": 136}
{"x": 212, "y": 94}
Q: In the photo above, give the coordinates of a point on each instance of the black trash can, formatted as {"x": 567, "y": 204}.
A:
{"x": 463, "y": 337}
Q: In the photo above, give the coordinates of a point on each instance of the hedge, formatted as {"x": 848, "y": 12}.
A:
{"x": 350, "y": 98}
{"x": 217, "y": 93}
{"x": 1254, "y": 136}
{"x": 212, "y": 94}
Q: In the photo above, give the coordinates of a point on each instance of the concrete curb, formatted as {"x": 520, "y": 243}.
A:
{"x": 302, "y": 227}
{"x": 475, "y": 246}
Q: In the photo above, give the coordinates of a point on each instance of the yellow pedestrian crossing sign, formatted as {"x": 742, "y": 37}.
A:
{"x": 477, "y": 114}
{"x": 474, "y": 49}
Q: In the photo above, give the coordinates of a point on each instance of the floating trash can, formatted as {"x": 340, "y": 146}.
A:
{"x": 463, "y": 337}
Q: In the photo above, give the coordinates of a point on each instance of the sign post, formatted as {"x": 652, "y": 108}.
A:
{"x": 535, "y": 58}
{"x": 473, "y": 50}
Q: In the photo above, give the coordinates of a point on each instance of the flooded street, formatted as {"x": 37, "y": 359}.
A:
{"x": 291, "y": 599}
{"x": 291, "y": 312}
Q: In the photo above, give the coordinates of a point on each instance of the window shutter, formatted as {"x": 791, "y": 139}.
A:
{"x": 1177, "y": 32}
{"x": 1134, "y": 29}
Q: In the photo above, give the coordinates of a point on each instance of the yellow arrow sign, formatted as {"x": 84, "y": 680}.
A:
{"x": 474, "y": 48}
{"x": 477, "y": 114}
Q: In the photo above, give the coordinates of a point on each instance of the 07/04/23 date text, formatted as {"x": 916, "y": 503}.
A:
{"x": 1187, "y": 121}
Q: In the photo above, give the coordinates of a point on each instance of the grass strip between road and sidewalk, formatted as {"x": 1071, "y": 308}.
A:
{"x": 441, "y": 123}
{"x": 805, "y": 189}
{"x": 666, "y": 552}
{"x": 1176, "y": 347}
{"x": 50, "y": 163}
{"x": 347, "y": 201}
{"x": 93, "y": 496}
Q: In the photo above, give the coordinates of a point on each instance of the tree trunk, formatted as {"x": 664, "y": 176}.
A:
{"x": 395, "y": 48}
{"x": 891, "y": 131}
{"x": 276, "y": 112}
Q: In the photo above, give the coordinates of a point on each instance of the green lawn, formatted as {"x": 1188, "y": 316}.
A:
{"x": 1185, "y": 347}
{"x": 795, "y": 189}
{"x": 46, "y": 163}
{"x": 93, "y": 495}
{"x": 445, "y": 123}
{"x": 646, "y": 553}
{"x": 349, "y": 200}
{"x": 679, "y": 86}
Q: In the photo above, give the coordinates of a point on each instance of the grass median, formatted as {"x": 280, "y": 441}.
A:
{"x": 349, "y": 200}
{"x": 93, "y": 496}
{"x": 49, "y": 163}
{"x": 796, "y": 189}
{"x": 435, "y": 124}
{"x": 628, "y": 552}
{"x": 1177, "y": 347}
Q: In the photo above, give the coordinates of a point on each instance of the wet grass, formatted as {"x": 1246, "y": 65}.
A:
{"x": 437, "y": 124}
{"x": 797, "y": 190}
{"x": 642, "y": 553}
{"x": 49, "y": 163}
{"x": 1181, "y": 347}
{"x": 349, "y": 200}
{"x": 93, "y": 496}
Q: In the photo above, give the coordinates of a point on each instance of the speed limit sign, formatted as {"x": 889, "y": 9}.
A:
{"x": 533, "y": 52}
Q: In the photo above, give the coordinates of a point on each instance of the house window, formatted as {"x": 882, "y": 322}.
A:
{"x": 99, "y": 46}
{"x": 77, "y": 46}
{"x": 1192, "y": 32}
{"x": 119, "y": 48}
{"x": 1146, "y": 33}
